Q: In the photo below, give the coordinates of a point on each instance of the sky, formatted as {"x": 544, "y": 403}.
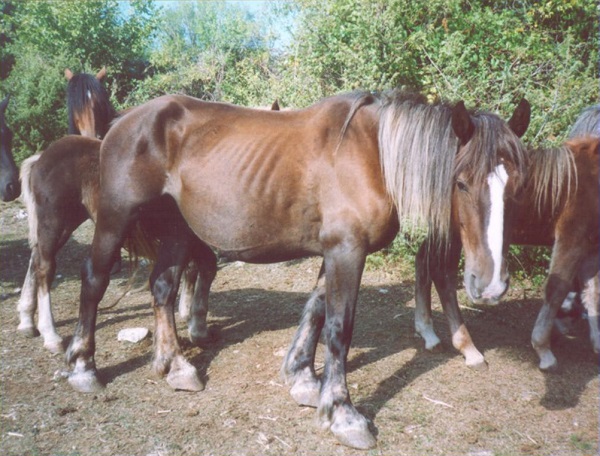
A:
{"x": 253, "y": 6}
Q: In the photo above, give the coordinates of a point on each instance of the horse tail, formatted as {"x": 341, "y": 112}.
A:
{"x": 28, "y": 198}
{"x": 141, "y": 243}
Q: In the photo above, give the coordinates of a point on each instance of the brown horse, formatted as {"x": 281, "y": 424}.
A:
{"x": 559, "y": 207}
{"x": 10, "y": 187}
{"x": 263, "y": 186}
{"x": 61, "y": 191}
{"x": 88, "y": 104}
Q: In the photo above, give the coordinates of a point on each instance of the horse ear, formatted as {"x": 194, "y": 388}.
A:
{"x": 519, "y": 121}
{"x": 462, "y": 124}
{"x": 101, "y": 74}
{"x": 4, "y": 104}
{"x": 68, "y": 74}
{"x": 275, "y": 106}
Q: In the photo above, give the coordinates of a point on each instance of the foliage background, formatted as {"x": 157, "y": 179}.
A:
{"x": 489, "y": 53}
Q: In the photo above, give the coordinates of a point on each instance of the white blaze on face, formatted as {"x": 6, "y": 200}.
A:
{"x": 495, "y": 229}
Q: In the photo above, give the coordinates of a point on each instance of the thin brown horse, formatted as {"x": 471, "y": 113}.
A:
{"x": 264, "y": 186}
{"x": 61, "y": 191}
{"x": 559, "y": 207}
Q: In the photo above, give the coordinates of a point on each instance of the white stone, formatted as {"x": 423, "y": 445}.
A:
{"x": 133, "y": 335}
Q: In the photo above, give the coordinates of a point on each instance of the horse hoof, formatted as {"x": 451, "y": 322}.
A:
{"x": 29, "y": 332}
{"x": 55, "y": 347}
{"x": 479, "y": 366}
{"x": 200, "y": 340}
{"x": 548, "y": 361}
{"x": 306, "y": 393}
{"x": 85, "y": 382}
{"x": 185, "y": 379}
{"x": 354, "y": 433}
{"x": 437, "y": 348}
{"x": 549, "y": 368}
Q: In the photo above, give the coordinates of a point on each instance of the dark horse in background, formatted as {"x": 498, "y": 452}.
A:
{"x": 559, "y": 207}
{"x": 88, "y": 104}
{"x": 10, "y": 187}
{"x": 264, "y": 186}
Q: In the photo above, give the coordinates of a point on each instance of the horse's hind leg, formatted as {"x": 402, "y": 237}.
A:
{"x": 164, "y": 282}
{"x": 206, "y": 264}
{"x": 298, "y": 369}
{"x": 187, "y": 287}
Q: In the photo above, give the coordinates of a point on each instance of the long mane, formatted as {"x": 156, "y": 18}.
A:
{"x": 420, "y": 159}
{"x": 588, "y": 123}
{"x": 552, "y": 177}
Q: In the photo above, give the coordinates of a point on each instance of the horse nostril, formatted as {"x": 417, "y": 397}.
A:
{"x": 12, "y": 190}
{"x": 474, "y": 287}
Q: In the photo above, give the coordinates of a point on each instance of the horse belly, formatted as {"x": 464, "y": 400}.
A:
{"x": 247, "y": 225}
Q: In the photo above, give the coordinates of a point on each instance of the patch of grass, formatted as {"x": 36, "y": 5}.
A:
{"x": 580, "y": 443}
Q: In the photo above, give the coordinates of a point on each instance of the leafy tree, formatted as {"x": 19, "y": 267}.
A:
{"x": 206, "y": 49}
{"x": 46, "y": 37}
{"x": 489, "y": 53}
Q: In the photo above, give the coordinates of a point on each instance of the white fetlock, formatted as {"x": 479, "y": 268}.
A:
{"x": 84, "y": 379}
{"x": 54, "y": 345}
{"x": 548, "y": 361}
{"x": 475, "y": 360}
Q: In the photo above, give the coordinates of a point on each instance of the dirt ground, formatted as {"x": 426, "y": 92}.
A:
{"x": 421, "y": 403}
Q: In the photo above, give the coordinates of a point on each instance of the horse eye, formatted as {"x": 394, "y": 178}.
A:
{"x": 462, "y": 186}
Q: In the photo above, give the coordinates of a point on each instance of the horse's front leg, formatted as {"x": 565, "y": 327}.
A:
{"x": 444, "y": 274}
{"x": 28, "y": 301}
{"x": 164, "y": 282}
{"x": 590, "y": 296}
{"x": 206, "y": 270}
{"x": 298, "y": 369}
{"x": 344, "y": 263}
{"x": 95, "y": 276}
{"x": 566, "y": 258}
{"x": 423, "y": 320}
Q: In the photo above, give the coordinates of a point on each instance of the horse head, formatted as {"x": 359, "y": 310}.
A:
{"x": 88, "y": 104}
{"x": 10, "y": 187}
{"x": 484, "y": 182}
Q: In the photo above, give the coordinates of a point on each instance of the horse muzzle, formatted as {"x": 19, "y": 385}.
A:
{"x": 11, "y": 191}
{"x": 486, "y": 294}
